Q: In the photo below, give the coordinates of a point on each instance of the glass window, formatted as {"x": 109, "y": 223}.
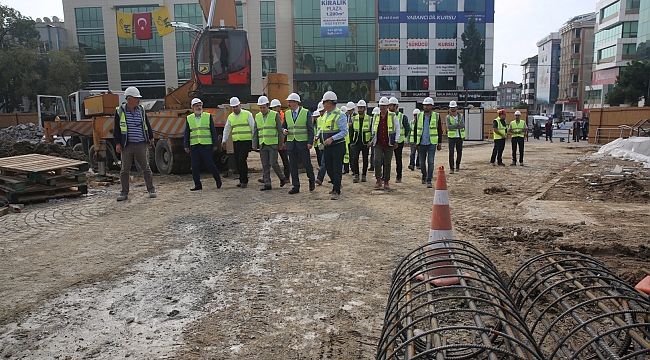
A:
{"x": 240, "y": 15}
{"x": 389, "y": 31}
{"x": 447, "y": 56}
{"x": 346, "y": 90}
{"x": 269, "y": 65}
{"x": 447, "y": 5}
{"x": 445, "y": 83}
{"x": 630, "y": 29}
{"x": 388, "y": 6}
{"x": 142, "y": 70}
{"x": 576, "y": 63}
{"x": 267, "y": 11}
{"x": 97, "y": 71}
{"x": 388, "y": 57}
{"x": 610, "y": 10}
{"x": 577, "y": 33}
{"x": 389, "y": 83}
{"x": 629, "y": 49}
{"x": 416, "y": 5}
{"x": 481, "y": 29}
{"x": 417, "y": 30}
{"x": 574, "y": 78}
{"x": 576, "y": 48}
{"x": 92, "y": 44}
{"x": 475, "y": 5}
{"x": 88, "y": 18}
{"x": 417, "y": 82}
{"x": 446, "y": 31}
{"x": 415, "y": 57}
{"x": 608, "y": 52}
{"x": 633, "y": 5}
{"x": 268, "y": 38}
{"x": 480, "y": 85}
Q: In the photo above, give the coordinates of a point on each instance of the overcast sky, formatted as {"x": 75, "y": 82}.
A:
{"x": 518, "y": 25}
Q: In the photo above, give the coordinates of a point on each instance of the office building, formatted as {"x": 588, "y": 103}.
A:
{"x": 508, "y": 95}
{"x": 529, "y": 71}
{"x": 548, "y": 72}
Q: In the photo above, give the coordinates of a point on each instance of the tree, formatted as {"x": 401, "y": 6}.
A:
{"x": 632, "y": 84}
{"x": 16, "y": 29}
{"x": 472, "y": 56}
{"x": 522, "y": 105}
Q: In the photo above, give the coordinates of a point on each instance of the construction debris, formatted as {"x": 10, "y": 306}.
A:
{"x": 10, "y": 147}
{"x": 494, "y": 190}
{"x": 28, "y": 132}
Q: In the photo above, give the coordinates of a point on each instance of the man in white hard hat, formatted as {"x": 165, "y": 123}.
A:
{"x": 349, "y": 114}
{"x": 385, "y": 133}
{"x": 517, "y": 130}
{"x": 299, "y": 130}
{"x": 414, "y": 159}
{"x": 132, "y": 134}
{"x": 241, "y": 123}
{"x": 200, "y": 141}
{"x": 332, "y": 133}
{"x": 267, "y": 136}
{"x": 282, "y": 149}
{"x": 359, "y": 138}
{"x": 427, "y": 137}
{"x": 455, "y": 134}
{"x": 405, "y": 130}
{"x": 499, "y": 134}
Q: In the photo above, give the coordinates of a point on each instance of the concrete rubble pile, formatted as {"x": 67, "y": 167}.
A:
{"x": 24, "y": 132}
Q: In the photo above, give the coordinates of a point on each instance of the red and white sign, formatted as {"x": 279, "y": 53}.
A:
{"x": 388, "y": 44}
{"x": 142, "y": 23}
{"x": 417, "y": 70}
{"x": 601, "y": 77}
{"x": 444, "y": 44}
{"x": 388, "y": 70}
{"x": 445, "y": 70}
{"x": 414, "y": 44}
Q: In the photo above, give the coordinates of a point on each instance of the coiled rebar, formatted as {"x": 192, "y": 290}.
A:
{"x": 472, "y": 319}
{"x": 578, "y": 309}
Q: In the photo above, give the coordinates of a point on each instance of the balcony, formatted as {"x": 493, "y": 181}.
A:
{"x": 576, "y": 40}
{"x": 575, "y": 56}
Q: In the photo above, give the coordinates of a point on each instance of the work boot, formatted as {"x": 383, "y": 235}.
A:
{"x": 356, "y": 178}
{"x": 335, "y": 196}
{"x": 312, "y": 185}
{"x": 122, "y": 197}
{"x": 521, "y": 164}
{"x": 319, "y": 182}
{"x": 283, "y": 182}
{"x": 152, "y": 194}
{"x": 514, "y": 163}
{"x": 457, "y": 167}
{"x": 399, "y": 179}
{"x": 429, "y": 185}
{"x": 386, "y": 186}
{"x": 265, "y": 188}
{"x": 196, "y": 188}
{"x": 378, "y": 184}
{"x": 363, "y": 178}
{"x": 451, "y": 171}
{"x": 411, "y": 167}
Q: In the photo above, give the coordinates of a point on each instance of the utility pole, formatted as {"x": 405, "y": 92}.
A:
{"x": 503, "y": 66}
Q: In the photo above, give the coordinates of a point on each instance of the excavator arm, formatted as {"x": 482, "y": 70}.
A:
{"x": 227, "y": 12}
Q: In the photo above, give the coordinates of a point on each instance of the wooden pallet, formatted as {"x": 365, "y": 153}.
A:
{"x": 43, "y": 195}
{"x": 36, "y": 166}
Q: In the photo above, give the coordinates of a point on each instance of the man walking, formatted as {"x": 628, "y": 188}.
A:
{"x": 132, "y": 133}
{"x": 414, "y": 159}
{"x": 282, "y": 148}
{"x": 200, "y": 141}
{"x": 241, "y": 123}
{"x": 349, "y": 114}
{"x": 548, "y": 129}
{"x": 499, "y": 129}
{"x": 403, "y": 120}
{"x": 359, "y": 141}
{"x": 299, "y": 130}
{"x": 267, "y": 135}
{"x": 577, "y": 128}
{"x": 425, "y": 136}
{"x": 455, "y": 134}
{"x": 517, "y": 130}
{"x": 385, "y": 133}
{"x": 332, "y": 134}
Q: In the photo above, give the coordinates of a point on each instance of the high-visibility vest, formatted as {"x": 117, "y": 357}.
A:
{"x": 433, "y": 128}
{"x": 361, "y": 132}
{"x": 389, "y": 120}
{"x": 267, "y": 130}
{"x": 200, "y": 130}
{"x": 517, "y": 126}
{"x": 241, "y": 130}
{"x": 317, "y": 128}
{"x": 297, "y": 128}
{"x": 452, "y": 133}
{"x": 402, "y": 133}
{"x": 123, "y": 126}
{"x": 330, "y": 126}
{"x": 501, "y": 125}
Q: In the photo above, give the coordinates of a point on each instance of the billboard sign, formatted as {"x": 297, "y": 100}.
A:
{"x": 334, "y": 18}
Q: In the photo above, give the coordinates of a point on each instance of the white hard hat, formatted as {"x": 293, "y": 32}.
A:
{"x": 330, "y": 96}
{"x": 517, "y": 112}
{"x": 196, "y": 101}
{"x": 453, "y": 104}
{"x": 427, "y": 101}
{"x": 416, "y": 111}
{"x": 294, "y": 97}
{"x": 262, "y": 100}
{"x": 315, "y": 113}
{"x": 344, "y": 108}
{"x": 234, "y": 101}
{"x": 383, "y": 101}
{"x": 132, "y": 91}
{"x": 375, "y": 111}
{"x": 361, "y": 103}
{"x": 393, "y": 100}
{"x": 320, "y": 106}
{"x": 275, "y": 102}
{"x": 350, "y": 105}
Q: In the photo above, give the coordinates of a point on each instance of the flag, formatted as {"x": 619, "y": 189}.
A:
{"x": 142, "y": 23}
{"x": 162, "y": 21}
{"x": 124, "y": 25}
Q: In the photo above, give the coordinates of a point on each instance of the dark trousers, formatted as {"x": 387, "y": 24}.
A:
{"x": 357, "y": 149}
{"x": 242, "y": 148}
{"x": 334, "y": 164}
{"x": 455, "y": 145}
{"x": 497, "y": 151}
{"x": 285, "y": 162}
{"x": 549, "y": 135}
{"x": 299, "y": 153}
{"x": 319, "y": 155}
{"x": 203, "y": 153}
{"x": 414, "y": 159}
{"x": 398, "y": 159}
{"x": 517, "y": 142}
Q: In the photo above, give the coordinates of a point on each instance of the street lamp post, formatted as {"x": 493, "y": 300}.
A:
{"x": 503, "y": 66}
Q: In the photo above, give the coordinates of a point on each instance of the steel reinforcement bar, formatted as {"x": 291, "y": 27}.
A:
{"x": 578, "y": 309}
{"x": 471, "y": 316}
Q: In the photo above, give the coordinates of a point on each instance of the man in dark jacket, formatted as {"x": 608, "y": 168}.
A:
{"x": 132, "y": 134}
{"x": 200, "y": 141}
{"x": 548, "y": 129}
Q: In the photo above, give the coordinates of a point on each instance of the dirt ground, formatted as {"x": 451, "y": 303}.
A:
{"x": 243, "y": 274}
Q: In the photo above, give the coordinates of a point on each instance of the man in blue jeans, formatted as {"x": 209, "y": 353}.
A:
{"x": 426, "y": 137}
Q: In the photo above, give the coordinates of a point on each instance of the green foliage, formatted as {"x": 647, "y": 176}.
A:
{"x": 631, "y": 84}
{"x": 16, "y": 29}
{"x": 522, "y": 105}
{"x": 472, "y": 56}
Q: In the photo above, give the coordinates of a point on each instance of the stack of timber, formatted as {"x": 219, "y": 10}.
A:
{"x": 35, "y": 177}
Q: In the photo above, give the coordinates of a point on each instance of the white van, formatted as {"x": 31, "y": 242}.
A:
{"x": 533, "y": 119}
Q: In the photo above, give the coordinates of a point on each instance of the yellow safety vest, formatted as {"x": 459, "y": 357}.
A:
{"x": 501, "y": 125}
{"x": 515, "y": 126}
{"x": 297, "y": 129}
{"x": 123, "y": 126}
{"x": 200, "y": 130}
{"x": 330, "y": 126}
{"x": 389, "y": 120}
{"x": 361, "y": 132}
{"x": 433, "y": 129}
{"x": 452, "y": 133}
{"x": 402, "y": 133}
{"x": 267, "y": 130}
{"x": 241, "y": 130}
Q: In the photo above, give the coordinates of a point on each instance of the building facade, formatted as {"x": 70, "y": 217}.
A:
{"x": 643, "y": 33}
{"x": 577, "y": 51}
{"x": 615, "y": 44}
{"x": 52, "y": 32}
{"x": 548, "y": 71}
{"x": 508, "y": 95}
{"x": 419, "y": 43}
{"x": 528, "y": 88}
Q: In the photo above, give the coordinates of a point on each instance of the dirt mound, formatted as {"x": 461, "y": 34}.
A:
{"x": 15, "y": 148}
{"x": 613, "y": 249}
{"x": 494, "y": 190}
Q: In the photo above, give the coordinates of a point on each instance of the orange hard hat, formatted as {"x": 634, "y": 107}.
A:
{"x": 502, "y": 111}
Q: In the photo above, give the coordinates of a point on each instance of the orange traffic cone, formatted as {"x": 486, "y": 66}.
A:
{"x": 440, "y": 230}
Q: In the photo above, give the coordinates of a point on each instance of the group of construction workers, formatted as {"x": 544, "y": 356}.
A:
{"x": 517, "y": 129}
